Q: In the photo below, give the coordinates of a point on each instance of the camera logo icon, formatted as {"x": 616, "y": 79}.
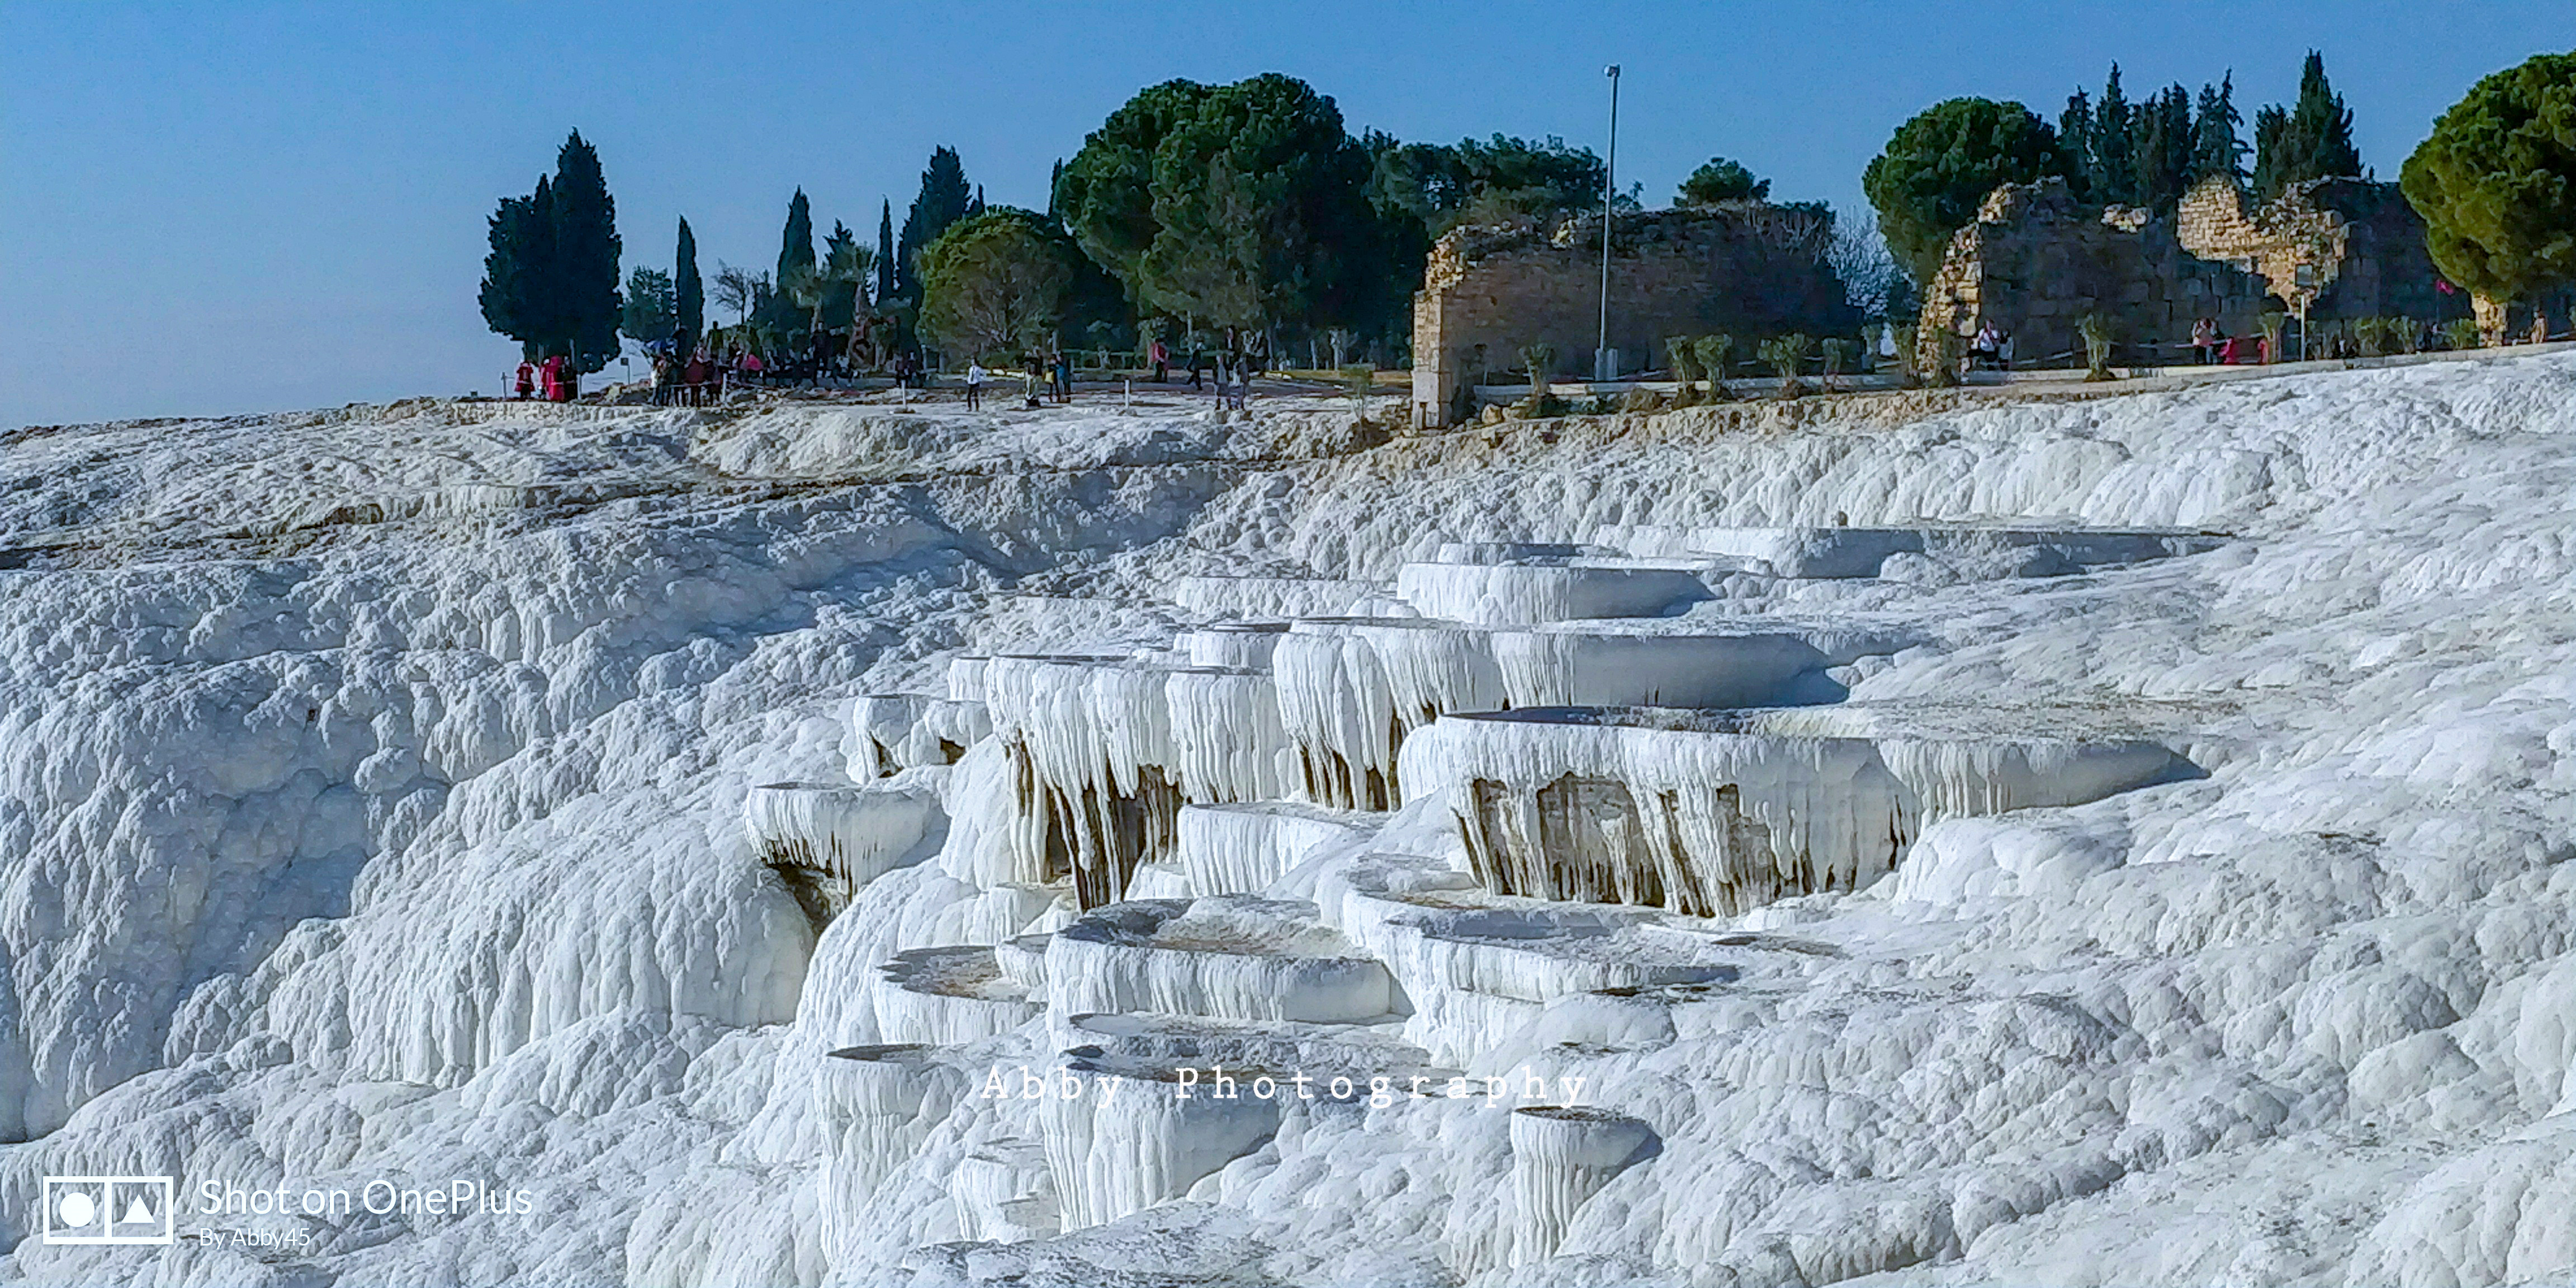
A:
{"x": 110, "y": 1209}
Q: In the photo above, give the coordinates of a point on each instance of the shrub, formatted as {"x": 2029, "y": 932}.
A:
{"x": 2097, "y": 346}
{"x": 1906, "y": 375}
{"x": 1538, "y": 357}
{"x": 1715, "y": 353}
{"x": 2461, "y": 333}
{"x": 2372, "y": 333}
{"x": 1787, "y": 354}
{"x": 1838, "y": 353}
{"x": 1642, "y": 400}
{"x": 1683, "y": 357}
{"x": 2270, "y": 323}
{"x": 1949, "y": 349}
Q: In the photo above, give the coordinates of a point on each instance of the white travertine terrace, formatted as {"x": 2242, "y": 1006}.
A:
{"x": 1549, "y": 590}
{"x": 1225, "y": 957}
{"x": 1715, "y": 813}
{"x": 949, "y": 996}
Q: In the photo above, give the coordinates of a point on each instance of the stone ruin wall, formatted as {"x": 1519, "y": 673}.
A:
{"x": 1746, "y": 269}
{"x": 2035, "y": 262}
{"x": 2361, "y": 243}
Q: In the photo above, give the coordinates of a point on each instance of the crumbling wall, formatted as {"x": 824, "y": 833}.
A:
{"x": 2035, "y": 262}
{"x": 2342, "y": 248}
{"x": 1748, "y": 269}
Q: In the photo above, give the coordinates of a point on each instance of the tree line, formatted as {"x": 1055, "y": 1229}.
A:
{"x": 1253, "y": 205}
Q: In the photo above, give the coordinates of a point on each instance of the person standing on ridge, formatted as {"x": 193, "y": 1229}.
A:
{"x": 527, "y": 387}
{"x": 975, "y": 384}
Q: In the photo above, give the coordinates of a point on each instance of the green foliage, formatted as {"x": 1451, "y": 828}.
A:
{"x": 2373, "y": 335}
{"x": 2496, "y": 182}
{"x": 1787, "y": 355}
{"x": 1430, "y": 188}
{"x": 2270, "y": 324}
{"x": 795, "y": 241}
{"x": 652, "y": 309}
{"x": 2311, "y": 140}
{"x": 1539, "y": 358}
{"x": 1715, "y": 354}
{"x": 2143, "y": 154}
{"x": 943, "y": 200}
{"x": 1682, "y": 356}
{"x": 550, "y": 279}
{"x": 1238, "y": 205}
{"x": 1939, "y": 166}
{"x": 1719, "y": 179}
{"x": 996, "y": 283}
{"x": 844, "y": 271}
{"x": 2096, "y": 330}
{"x": 2461, "y": 333}
{"x": 2215, "y": 147}
{"x": 1838, "y": 353}
{"x": 690, "y": 292}
{"x": 884, "y": 294}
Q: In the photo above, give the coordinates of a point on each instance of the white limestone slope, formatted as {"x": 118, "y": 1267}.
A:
{"x": 374, "y": 787}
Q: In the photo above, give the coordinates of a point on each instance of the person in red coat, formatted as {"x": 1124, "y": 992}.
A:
{"x": 554, "y": 377}
{"x": 527, "y": 378}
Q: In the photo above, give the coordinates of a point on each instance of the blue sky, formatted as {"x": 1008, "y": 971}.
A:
{"x": 225, "y": 208}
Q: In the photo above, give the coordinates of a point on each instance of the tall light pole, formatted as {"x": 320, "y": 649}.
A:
{"x": 1605, "y": 366}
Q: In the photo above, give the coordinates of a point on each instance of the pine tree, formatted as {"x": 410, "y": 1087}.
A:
{"x": 2075, "y": 143}
{"x": 2114, "y": 177}
{"x": 2312, "y": 140}
{"x": 2161, "y": 149}
{"x": 586, "y": 254}
{"x": 885, "y": 252}
{"x": 2323, "y": 124}
{"x": 2215, "y": 149}
{"x": 943, "y": 201}
{"x": 691, "y": 291}
{"x": 2271, "y": 150}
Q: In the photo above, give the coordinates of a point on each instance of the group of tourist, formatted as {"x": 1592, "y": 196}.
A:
{"x": 2210, "y": 343}
{"x": 1991, "y": 349}
{"x": 559, "y": 382}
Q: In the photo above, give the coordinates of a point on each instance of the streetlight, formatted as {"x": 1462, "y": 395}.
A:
{"x": 1605, "y": 360}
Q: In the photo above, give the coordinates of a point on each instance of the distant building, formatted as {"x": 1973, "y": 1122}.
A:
{"x": 1746, "y": 269}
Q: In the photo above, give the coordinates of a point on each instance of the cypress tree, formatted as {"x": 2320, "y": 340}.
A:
{"x": 795, "y": 241}
{"x": 2215, "y": 149}
{"x": 885, "y": 252}
{"x": 2075, "y": 143}
{"x": 519, "y": 268}
{"x": 943, "y": 201}
{"x": 692, "y": 292}
{"x": 586, "y": 254}
{"x": 2114, "y": 176}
